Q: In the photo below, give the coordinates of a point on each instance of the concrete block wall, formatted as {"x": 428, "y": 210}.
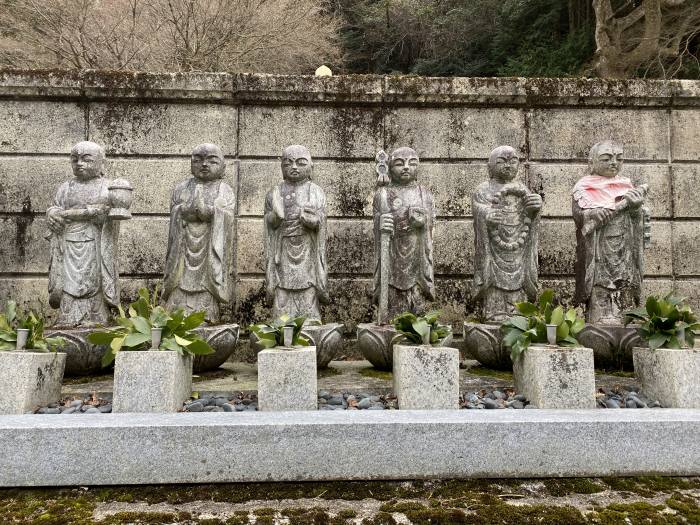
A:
{"x": 150, "y": 123}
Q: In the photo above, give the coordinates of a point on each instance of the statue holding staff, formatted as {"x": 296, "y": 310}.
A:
{"x": 403, "y": 216}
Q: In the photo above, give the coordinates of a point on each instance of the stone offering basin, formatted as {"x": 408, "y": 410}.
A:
{"x": 84, "y": 358}
{"x": 327, "y": 338}
{"x": 612, "y": 345}
{"x": 483, "y": 343}
{"x": 375, "y": 343}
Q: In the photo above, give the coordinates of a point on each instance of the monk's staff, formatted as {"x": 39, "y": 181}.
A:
{"x": 382, "y": 170}
{"x": 621, "y": 207}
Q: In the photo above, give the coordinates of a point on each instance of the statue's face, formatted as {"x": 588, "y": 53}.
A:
{"x": 504, "y": 165}
{"x": 296, "y": 164}
{"x": 607, "y": 160}
{"x": 86, "y": 160}
{"x": 208, "y": 162}
{"x": 403, "y": 166}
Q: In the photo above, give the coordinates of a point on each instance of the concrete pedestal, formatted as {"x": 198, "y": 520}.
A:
{"x": 556, "y": 377}
{"x": 29, "y": 380}
{"x": 151, "y": 381}
{"x": 669, "y": 376}
{"x": 287, "y": 379}
{"x": 426, "y": 377}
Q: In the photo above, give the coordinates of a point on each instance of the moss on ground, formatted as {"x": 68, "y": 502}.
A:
{"x": 616, "y": 373}
{"x": 377, "y": 374}
{"x": 81, "y": 380}
{"x": 475, "y": 502}
{"x": 491, "y": 372}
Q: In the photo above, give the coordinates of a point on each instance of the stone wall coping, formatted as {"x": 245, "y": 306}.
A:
{"x": 295, "y": 446}
{"x": 249, "y": 88}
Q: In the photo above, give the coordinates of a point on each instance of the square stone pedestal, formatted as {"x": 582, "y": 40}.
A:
{"x": 426, "y": 377}
{"x": 29, "y": 380}
{"x": 287, "y": 379}
{"x": 151, "y": 381}
{"x": 671, "y": 377}
{"x": 556, "y": 377}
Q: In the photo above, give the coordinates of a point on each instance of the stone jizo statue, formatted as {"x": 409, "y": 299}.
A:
{"x": 404, "y": 214}
{"x": 610, "y": 234}
{"x": 295, "y": 239}
{"x": 201, "y": 240}
{"x": 506, "y": 224}
{"x": 83, "y": 272}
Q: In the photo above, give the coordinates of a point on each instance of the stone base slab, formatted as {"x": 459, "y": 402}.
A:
{"x": 287, "y": 379}
{"x": 668, "y": 376}
{"x": 151, "y": 381}
{"x": 612, "y": 345}
{"x": 295, "y": 446}
{"x": 483, "y": 343}
{"x": 426, "y": 377}
{"x": 556, "y": 377}
{"x": 29, "y": 380}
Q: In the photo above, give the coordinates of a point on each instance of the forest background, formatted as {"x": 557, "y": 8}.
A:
{"x": 531, "y": 38}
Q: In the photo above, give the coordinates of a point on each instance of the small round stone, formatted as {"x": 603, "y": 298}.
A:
{"x": 228, "y": 407}
{"x": 325, "y": 394}
{"x": 197, "y": 406}
{"x": 376, "y": 407}
{"x": 364, "y": 403}
{"x": 490, "y": 403}
{"x": 240, "y": 408}
{"x": 336, "y": 400}
{"x": 93, "y": 410}
{"x": 612, "y": 403}
{"x": 69, "y": 410}
{"x": 76, "y": 403}
{"x": 105, "y": 409}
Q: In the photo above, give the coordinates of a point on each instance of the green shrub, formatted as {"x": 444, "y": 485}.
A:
{"x": 665, "y": 323}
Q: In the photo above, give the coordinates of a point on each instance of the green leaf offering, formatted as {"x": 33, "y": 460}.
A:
{"x": 13, "y": 319}
{"x": 665, "y": 323}
{"x": 420, "y": 330}
{"x": 530, "y": 324}
{"x": 271, "y": 334}
{"x": 134, "y": 329}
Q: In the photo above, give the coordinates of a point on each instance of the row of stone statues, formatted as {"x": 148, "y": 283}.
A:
{"x": 608, "y": 210}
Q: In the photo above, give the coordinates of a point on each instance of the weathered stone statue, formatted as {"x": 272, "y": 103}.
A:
{"x": 403, "y": 250}
{"x": 295, "y": 239}
{"x": 84, "y": 230}
{"x": 612, "y": 226}
{"x": 403, "y": 211}
{"x": 506, "y": 219}
{"x": 199, "y": 264}
{"x": 609, "y": 215}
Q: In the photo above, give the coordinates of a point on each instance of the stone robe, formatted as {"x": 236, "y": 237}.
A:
{"x": 296, "y": 273}
{"x": 609, "y": 261}
{"x": 83, "y": 273}
{"x": 505, "y": 271}
{"x": 411, "y": 279}
{"x": 199, "y": 261}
